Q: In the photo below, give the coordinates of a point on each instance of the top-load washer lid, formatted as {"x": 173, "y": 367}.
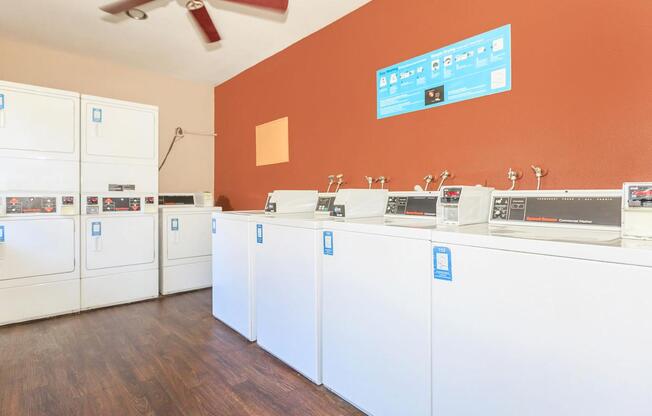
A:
{"x": 598, "y": 237}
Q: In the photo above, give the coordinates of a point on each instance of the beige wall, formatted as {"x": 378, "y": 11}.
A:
{"x": 181, "y": 103}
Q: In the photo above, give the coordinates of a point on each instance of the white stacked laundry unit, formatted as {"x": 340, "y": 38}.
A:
{"x": 39, "y": 202}
{"x": 119, "y": 186}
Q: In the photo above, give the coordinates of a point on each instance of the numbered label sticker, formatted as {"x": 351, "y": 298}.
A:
{"x": 259, "y": 233}
{"x": 2, "y": 233}
{"x": 174, "y": 224}
{"x": 213, "y": 225}
{"x": 328, "y": 243}
{"x": 97, "y": 115}
{"x": 96, "y": 229}
{"x": 442, "y": 263}
{"x": 2, "y": 101}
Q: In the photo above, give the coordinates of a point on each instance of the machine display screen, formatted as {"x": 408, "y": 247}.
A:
{"x": 584, "y": 210}
{"x": 639, "y": 196}
{"x": 412, "y": 205}
{"x": 325, "y": 204}
{"x": 120, "y": 204}
{"x": 176, "y": 200}
{"x": 31, "y": 205}
{"x": 451, "y": 195}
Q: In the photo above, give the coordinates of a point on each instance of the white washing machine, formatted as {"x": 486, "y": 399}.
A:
{"x": 39, "y": 255}
{"x": 119, "y": 241}
{"x": 185, "y": 244}
{"x": 39, "y": 139}
{"x": 546, "y": 319}
{"x": 119, "y": 146}
{"x": 288, "y": 275}
{"x": 376, "y": 304}
{"x": 234, "y": 235}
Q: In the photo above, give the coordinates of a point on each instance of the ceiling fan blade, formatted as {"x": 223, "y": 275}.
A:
{"x": 205, "y": 22}
{"x": 270, "y": 4}
{"x": 123, "y": 5}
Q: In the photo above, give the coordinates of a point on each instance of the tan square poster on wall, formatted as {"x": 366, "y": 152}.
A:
{"x": 272, "y": 142}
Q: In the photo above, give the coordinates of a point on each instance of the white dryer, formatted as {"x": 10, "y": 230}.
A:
{"x": 549, "y": 319}
{"x": 39, "y": 139}
{"x": 376, "y": 304}
{"x": 119, "y": 146}
{"x": 185, "y": 243}
{"x": 234, "y": 235}
{"x": 39, "y": 250}
{"x": 119, "y": 240}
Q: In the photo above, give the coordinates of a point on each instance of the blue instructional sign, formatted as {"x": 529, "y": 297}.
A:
{"x": 442, "y": 263}
{"x": 96, "y": 229}
{"x": 2, "y": 101}
{"x": 213, "y": 225}
{"x": 259, "y": 233}
{"x": 2, "y": 233}
{"x": 472, "y": 68}
{"x": 174, "y": 224}
{"x": 328, "y": 243}
{"x": 97, "y": 115}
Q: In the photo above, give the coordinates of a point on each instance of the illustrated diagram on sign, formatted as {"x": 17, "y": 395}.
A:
{"x": 472, "y": 68}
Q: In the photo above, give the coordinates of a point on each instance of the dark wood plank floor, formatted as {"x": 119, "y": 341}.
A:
{"x": 163, "y": 357}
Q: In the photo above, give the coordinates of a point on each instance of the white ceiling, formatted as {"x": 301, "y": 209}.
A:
{"x": 169, "y": 42}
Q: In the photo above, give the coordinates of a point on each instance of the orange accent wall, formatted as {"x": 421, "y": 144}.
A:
{"x": 580, "y": 104}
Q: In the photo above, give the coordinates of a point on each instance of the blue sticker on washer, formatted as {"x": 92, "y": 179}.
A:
{"x": 2, "y": 233}
{"x": 97, "y": 115}
{"x": 328, "y": 243}
{"x": 96, "y": 229}
{"x": 213, "y": 225}
{"x": 174, "y": 224}
{"x": 2, "y": 101}
{"x": 259, "y": 233}
{"x": 442, "y": 263}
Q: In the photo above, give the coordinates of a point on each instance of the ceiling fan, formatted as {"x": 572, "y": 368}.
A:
{"x": 197, "y": 9}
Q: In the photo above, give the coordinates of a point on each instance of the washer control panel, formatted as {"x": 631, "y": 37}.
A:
{"x": 417, "y": 205}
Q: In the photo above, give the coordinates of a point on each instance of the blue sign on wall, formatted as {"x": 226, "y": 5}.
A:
{"x": 472, "y": 68}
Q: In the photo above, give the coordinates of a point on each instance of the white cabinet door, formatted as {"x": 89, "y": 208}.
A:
{"x": 38, "y": 247}
{"x": 525, "y": 334}
{"x": 188, "y": 235}
{"x": 118, "y": 130}
{"x": 119, "y": 241}
{"x": 37, "y": 122}
{"x": 376, "y": 324}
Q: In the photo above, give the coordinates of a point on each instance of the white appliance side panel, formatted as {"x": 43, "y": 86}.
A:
{"x": 112, "y": 130}
{"x": 376, "y": 323}
{"x": 24, "y": 303}
{"x": 233, "y": 287}
{"x": 124, "y": 240}
{"x": 192, "y": 237}
{"x": 38, "y": 124}
{"x": 185, "y": 277}
{"x": 119, "y": 288}
{"x": 38, "y": 247}
{"x": 517, "y": 334}
{"x": 39, "y": 175}
{"x": 287, "y": 297}
{"x": 96, "y": 177}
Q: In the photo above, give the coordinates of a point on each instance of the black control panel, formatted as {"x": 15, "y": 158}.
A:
{"x": 584, "y": 210}
{"x": 120, "y": 204}
{"x": 412, "y": 205}
{"x": 325, "y": 204}
{"x": 31, "y": 205}
{"x": 639, "y": 196}
{"x": 68, "y": 200}
{"x": 149, "y": 200}
{"x": 174, "y": 200}
{"x": 451, "y": 196}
